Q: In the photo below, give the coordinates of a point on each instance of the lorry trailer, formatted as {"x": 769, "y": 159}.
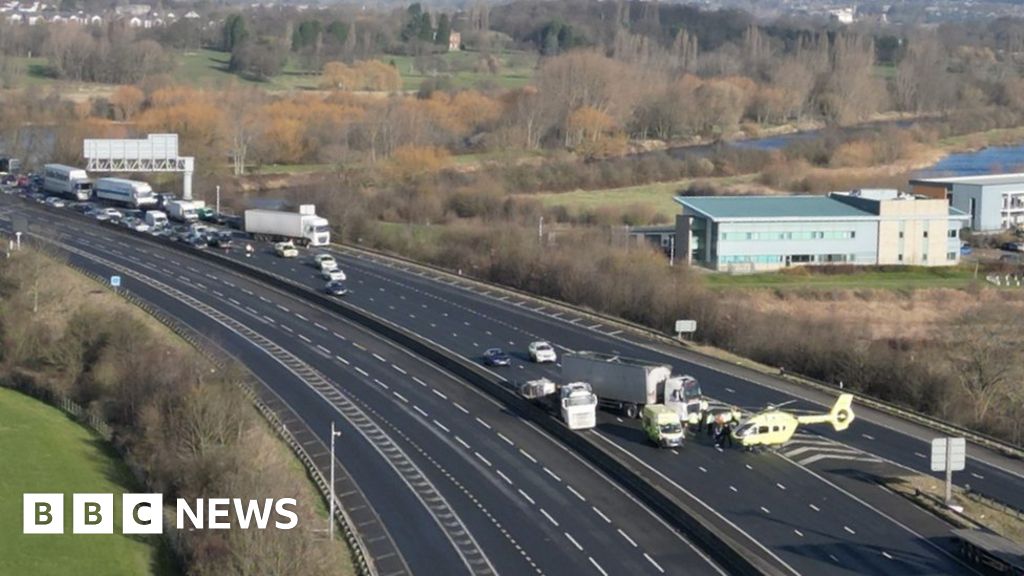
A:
{"x": 132, "y": 193}
{"x": 627, "y": 384}
{"x": 304, "y": 226}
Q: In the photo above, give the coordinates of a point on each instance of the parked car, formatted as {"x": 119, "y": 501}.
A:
{"x": 336, "y": 288}
{"x": 541, "y": 351}
{"x": 966, "y": 250}
{"x": 497, "y": 357}
{"x": 332, "y": 274}
{"x": 1013, "y": 246}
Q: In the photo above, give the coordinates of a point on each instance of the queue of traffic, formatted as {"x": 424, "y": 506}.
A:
{"x": 134, "y": 204}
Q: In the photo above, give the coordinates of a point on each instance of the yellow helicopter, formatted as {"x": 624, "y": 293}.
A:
{"x": 775, "y": 427}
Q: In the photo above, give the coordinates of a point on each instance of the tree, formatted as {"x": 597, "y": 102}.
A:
{"x": 306, "y": 35}
{"x": 261, "y": 60}
{"x": 127, "y": 100}
{"x": 234, "y": 32}
{"x": 337, "y": 33}
{"x": 444, "y": 31}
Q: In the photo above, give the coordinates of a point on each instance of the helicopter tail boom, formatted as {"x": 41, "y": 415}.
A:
{"x": 840, "y": 417}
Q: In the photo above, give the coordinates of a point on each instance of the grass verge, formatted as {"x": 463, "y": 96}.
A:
{"x": 44, "y": 451}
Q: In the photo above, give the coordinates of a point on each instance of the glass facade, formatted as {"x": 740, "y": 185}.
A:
{"x": 790, "y": 235}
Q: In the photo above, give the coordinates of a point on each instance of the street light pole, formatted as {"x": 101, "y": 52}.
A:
{"x": 334, "y": 434}
{"x": 218, "y": 199}
{"x": 540, "y": 229}
{"x": 17, "y": 235}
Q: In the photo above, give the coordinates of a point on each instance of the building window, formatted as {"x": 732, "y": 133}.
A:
{"x": 901, "y": 234}
{"x": 953, "y": 234}
{"x": 925, "y": 233}
{"x": 900, "y": 257}
{"x": 853, "y": 234}
{"x": 951, "y": 256}
{"x": 924, "y": 257}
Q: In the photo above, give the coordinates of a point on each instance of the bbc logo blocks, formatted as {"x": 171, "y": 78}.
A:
{"x": 92, "y": 513}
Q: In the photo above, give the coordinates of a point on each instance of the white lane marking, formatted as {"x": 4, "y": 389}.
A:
{"x": 628, "y": 539}
{"x": 305, "y": 339}
{"x": 359, "y": 346}
{"x": 420, "y": 382}
{"x": 978, "y": 476}
{"x": 381, "y": 384}
{"x": 887, "y": 555}
{"x": 503, "y": 437}
{"x": 218, "y": 294}
{"x": 398, "y": 368}
{"x": 730, "y": 390}
{"x": 264, "y": 299}
{"x": 848, "y": 529}
{"x": 379, "y": 357}
{"x": 815, "y": 508}
{"x": 482, "y": 423}
{"x": 338, "y": 336}
{"x": 615, "y": 333}
{"x": 361, "y": 371}
{"x": 781, "y": 487}
{"x": 247, "y": 292}
{"x": 593, "y": 327}
{"x": 287, "y": 328}
{"x": 733, "y": 488}
{"x": 526, "y": 496}
{"x": 342, "y": 360}
{"x": 549, "y": 517}
{"x": 653, "y": 563}
{"x": 319, "y": 325}
{"x": 439, "y": 393}
{"x": 400, "y": 397}
{"x": 528, "y": 457}
{"x": 463, "y": 442}
{"x": 601, "y": 514}
{"x": 868, "y": 436}
{"x": 919, "y": 455}
{"x": 252, "y": 310}
{"x": 420, "y": 410}
{"x": 268, "y": 319}
{"x": 765, "y": 510}
{"x": 283, "y": 308}
{"x": 575, "y": 493}
{"x": 324, "y": 348}
{"x": 459, "y": 406}
{"x": 702, "y": 469}
{"x": 574, "y": 542}
{"x": 598, "y": 566}
{"x": 482, "y": 459}
{"x": 442, "y": 427}
{"x": 798, "y": 533}
{"x": 503, "y": 477}
{"x": 552, "y": 474}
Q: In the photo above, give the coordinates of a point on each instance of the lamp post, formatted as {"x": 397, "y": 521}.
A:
{"x": 17, "y": 235}
{"x": 218, "y": 199}
{"x": 330, "y": 520}
{"x": 540, "y": 229}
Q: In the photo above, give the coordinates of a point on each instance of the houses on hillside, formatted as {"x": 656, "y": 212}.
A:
{"x": 134, "y": 15}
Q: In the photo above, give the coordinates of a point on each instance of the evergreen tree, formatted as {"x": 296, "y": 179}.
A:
{"x": 444, "y": 30}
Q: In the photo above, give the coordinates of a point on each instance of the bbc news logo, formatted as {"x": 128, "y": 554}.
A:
{"x": 143, "y": 513}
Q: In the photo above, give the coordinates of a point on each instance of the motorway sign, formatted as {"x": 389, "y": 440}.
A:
{"x": 686, "y": 326}
{"x": 957, "y": 450}
{"x": 115, "y": 281}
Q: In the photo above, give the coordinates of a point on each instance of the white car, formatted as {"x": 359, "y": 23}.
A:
{"x": 325, "y": 262}
{"x": 541, "y": 351}
{"x": 56, "y": 202}
{"x": 112, "y": 213}
{"x": 286, "y": 250}
{"x": 332, "y": 274}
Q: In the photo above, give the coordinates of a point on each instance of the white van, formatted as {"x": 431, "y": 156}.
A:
{"x": 156, "y": 219}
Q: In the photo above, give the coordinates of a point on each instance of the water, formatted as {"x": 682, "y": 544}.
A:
{"x": 995, "y": 160}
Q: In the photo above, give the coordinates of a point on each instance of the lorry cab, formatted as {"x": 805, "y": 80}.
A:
{"x": 684, "y": 396}
{"x": 578, "y": 405}
{"x": 318, "y": 232}
{"x": 661, "y": 424}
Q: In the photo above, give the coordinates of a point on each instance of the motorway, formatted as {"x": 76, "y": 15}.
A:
{"x": 816, "y": 506}
{"x": 458, "y": 484}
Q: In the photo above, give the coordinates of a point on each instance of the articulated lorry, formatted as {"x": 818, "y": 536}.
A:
{"x": 575, "y": 401}
{"x": 133, "y": 193}
{"x": 304, "y": 226}
{"x": 627, "y": 384}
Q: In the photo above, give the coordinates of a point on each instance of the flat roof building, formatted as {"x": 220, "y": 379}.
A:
{"x": 994, "y": 202}
{"x": 862, "y": 227}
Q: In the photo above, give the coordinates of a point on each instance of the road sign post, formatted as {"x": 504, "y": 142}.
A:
{"x": 685, "y": 327}
{"x": 115, "y": 282}
{"x": 949, "y": 455}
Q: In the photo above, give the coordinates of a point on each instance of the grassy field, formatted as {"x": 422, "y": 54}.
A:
{"x": 896, "y": 279}
{"x": 44, "y": 451}
{"x": 210, "y": 68}
{"x": 658, "y": 196}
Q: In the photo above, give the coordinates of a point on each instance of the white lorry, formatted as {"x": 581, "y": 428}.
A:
{"x": 575, "y": 401}
{"x": 304, "y": 226}
{"x": 132, "y": 193}
{"x": 628, "y": 384}
{"x": 156, "y": 219}
{"x": 67, "y": 181}
{"x": 182, "y": 211}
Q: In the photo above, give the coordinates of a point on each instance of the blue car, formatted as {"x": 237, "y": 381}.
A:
{"x": 497, "y": 357}
{"x": 336, "y": 288}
